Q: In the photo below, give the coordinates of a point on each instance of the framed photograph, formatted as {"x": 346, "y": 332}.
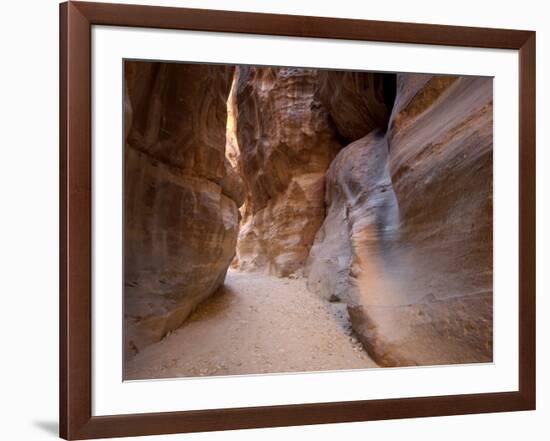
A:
{"x": 272, "y": 220}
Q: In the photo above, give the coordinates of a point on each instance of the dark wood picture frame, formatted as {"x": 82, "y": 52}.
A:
{"x": 76, "y": 420}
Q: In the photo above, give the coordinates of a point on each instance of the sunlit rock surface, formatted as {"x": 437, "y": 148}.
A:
{"x": 286, "y": 142}
{"x": 181, "y": 194}
{"x": 407, "y": 241}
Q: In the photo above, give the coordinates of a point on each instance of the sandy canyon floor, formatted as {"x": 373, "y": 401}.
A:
{"x": 255, "y": 324}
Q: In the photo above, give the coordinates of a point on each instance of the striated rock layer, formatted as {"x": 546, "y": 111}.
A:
{"x": 181, "y": 196}
{"x": 286, "y": 142}
{"x": 407, "y": 241}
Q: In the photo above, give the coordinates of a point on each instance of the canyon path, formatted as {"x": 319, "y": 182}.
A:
{"x": 357, "y": 202}
{"x": 255, "y": 324}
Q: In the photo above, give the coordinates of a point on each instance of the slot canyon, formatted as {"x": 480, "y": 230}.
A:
{"x": 293, "y": 219}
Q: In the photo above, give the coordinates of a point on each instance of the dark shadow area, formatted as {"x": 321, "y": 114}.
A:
{"x": 390, "y": 91}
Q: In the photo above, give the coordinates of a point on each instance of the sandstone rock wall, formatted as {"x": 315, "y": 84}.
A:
{"x": 358, "y": 102}
{"x": 181, "y": 196}
{"x": 362, "y": 217}
{"x": 286, "y": 142}
{"x": 377, "y": 186}
{"x": 407, "y": 241}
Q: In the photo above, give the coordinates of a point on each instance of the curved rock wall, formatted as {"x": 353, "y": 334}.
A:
{"x": 407, "y": 241}
{"x": 358, "y": 102}
{"x": 181, "y": 196}
{"x": 361, "y": 224}
{"x": 286, "y": 143}
{"x": 397, "y": 224}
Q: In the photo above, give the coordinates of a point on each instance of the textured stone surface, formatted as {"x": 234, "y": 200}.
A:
{"x": 362, "y": 215}
{"x": 407, "y": 241}
{"x": 181, "y": 195}
{"x": 394, "y": 229}
{"x": 447, "y": 331}
{"x": 286, "y": 143}
{"x": 358, "y": 102}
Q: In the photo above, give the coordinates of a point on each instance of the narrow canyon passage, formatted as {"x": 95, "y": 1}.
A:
{"x": 282, "y": 219}
{"x": 255, "y": 323}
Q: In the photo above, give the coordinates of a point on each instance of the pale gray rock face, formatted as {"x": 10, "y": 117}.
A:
{"x": 362, "y": 219}
{"x": 407, "y": 241}
{"x": 181, "y": 194}
{"x": 286, "y": 143}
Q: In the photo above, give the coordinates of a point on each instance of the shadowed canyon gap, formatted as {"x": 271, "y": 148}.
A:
{"x": 354, "y": 208}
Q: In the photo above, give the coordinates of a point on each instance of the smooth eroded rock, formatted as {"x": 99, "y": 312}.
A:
{"x": 358, "y": 102}
{"x": 410, "y": 223}
{"x": 362, "y": 218}
{"x": 181, "y": 194}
